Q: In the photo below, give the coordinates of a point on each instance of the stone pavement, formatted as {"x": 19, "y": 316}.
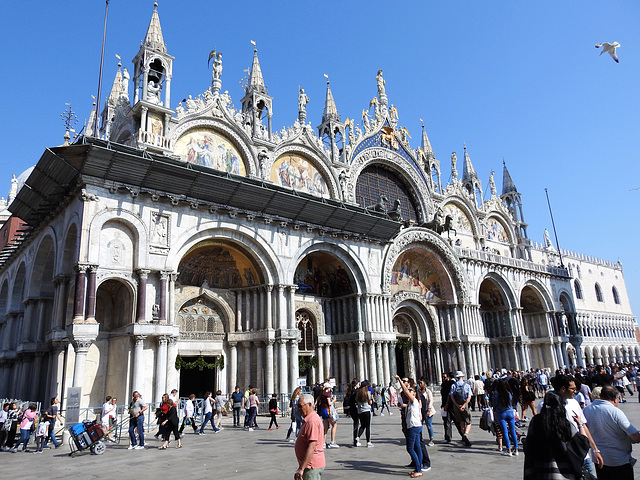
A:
{"x": 238, "y": 454}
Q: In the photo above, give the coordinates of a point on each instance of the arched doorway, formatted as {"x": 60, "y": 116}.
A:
{"x": 495, "y": 311}
{"x": 307, "y": 360}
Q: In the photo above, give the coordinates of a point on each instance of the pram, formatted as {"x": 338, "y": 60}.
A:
{"x": 86, "y": 435}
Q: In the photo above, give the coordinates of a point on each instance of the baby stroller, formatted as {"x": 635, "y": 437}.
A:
{"x": 86, "y": 435}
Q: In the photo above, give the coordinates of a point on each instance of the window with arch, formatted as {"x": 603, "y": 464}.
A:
{"x": 616, "y": 297}
{"x": 599, "y": 293}
{"x": 375, "y": 182}
{"x": 305, "y": 325}
{"x": 578, "y": 289}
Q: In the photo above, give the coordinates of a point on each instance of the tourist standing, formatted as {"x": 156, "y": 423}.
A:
{"x": 137, "y": 407}
{"x": 614, "y": 434}
{"x": 296, "y": 417}
{"x": 236, "y": 402}
{"x": 253, "y": 402}
{"x": 460, "y": 395}
{"x": 28, "y": 417}
{"x": 504, "y": 414}
{"x": 363, "y": 406}
{"x": 445, "y": 404}
{"x": 170, "y": 424}
{"x": 273, "y": 411}
{"x": 309, "y": 446}
{"x": 413, "y": 427}
{"x": 219, "y": 402}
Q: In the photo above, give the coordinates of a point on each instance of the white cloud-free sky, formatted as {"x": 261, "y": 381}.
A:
{"x": 515, "y": 80}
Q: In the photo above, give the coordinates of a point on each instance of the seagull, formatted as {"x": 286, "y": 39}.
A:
{"x": 609, "y": 47}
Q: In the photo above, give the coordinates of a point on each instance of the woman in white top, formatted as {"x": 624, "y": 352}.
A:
{"x": 414, "y": 427}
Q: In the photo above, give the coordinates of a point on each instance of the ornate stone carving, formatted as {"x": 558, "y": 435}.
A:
{"x": 88, "y": 197}
{"x": 417, "y": 236}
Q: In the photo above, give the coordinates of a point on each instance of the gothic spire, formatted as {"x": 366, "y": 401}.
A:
{"x": 154, "y": 39}
{"x": 330, "y": 111}
{"x": 426, "y": 144}
{"x": 116, "y": 88}
{"x": 507, "y": 184}
{"x": 256, "y": 82}
{"x": 468, "y": 173}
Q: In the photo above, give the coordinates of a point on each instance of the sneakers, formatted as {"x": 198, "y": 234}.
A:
{"x": 290, "y": 440}
{"x": 506, "y": 453}
{"x": 278, "y": 427}
{"x": 131, "y": 447}
{"x": 139, "y": 447}
{"x": 357, "y": 442}
{"x": 333, "y": 445}
{"x": 425, "y": 469}
{"x": 515, "y": 452}
{"x": 382, "y": 414}
{"x": 431, "y": 444}
{"x": 391, "y": 413}
{"x": 269, "y": 428}
{"x": 250, "y": 429}
{"x": 369, "y": 445}
{"x": 201, "y": 433}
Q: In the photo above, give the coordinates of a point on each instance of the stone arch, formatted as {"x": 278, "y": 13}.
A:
{"x": 203, "y": 317}
{"x": 463, "y": 205}
{"x": 115, "y": 300}
{"x": 313, "y": 157}
{"x": 43, "y": 268}
{"x": 128, "y": 220}
{"x": 355, "y": 268}
{"x": 422, "y": 238}
{"x": 4, "y": 298}
{"x": 258, "y": 249}
{"x": 399, "y": 166}
{"x": 567, "y": 309}
{"x": 18, "y": 291}
{"x": 187, "y": 295}
{"x": 493, "y": 222}
{"x": 228, "y": 130}
{"x": 69, "y": 251}
{"x": 534, "y": 312}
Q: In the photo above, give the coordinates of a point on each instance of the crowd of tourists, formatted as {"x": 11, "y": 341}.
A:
{"x": 574, "y": 429}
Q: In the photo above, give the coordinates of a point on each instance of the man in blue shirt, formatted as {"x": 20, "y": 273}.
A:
{"x": 460, "y": 395}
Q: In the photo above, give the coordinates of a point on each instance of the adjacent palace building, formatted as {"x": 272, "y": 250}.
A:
{"x": 197, "y": 246}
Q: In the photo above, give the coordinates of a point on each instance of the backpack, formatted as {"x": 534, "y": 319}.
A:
{"x": 486, "y": 419}
{"x": 460, "y": 395}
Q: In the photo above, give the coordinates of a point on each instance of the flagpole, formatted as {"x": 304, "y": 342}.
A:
{"x": 555, "y": 233}
{"x": 104, "y": 36}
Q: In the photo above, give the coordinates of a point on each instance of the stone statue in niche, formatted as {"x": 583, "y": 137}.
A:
{"x": 159, "y": 229}
{"x": 153, "y": 92}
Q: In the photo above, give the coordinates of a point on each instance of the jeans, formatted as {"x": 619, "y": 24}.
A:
{"x": 25, "y": 435}
{"x": 236, "y": 416}
{"x": 589, "y": 466}
{"x": 413, "y": 446}
{"x": 208, "y": 417}
{"x": 508, "y": 419}
{"x": 136, "y": 423}
{"x": 429, "y": 423}
{"x": 446, "y": 422}
{"x": 253, "y": 413}
{"x": 52, "y": 435}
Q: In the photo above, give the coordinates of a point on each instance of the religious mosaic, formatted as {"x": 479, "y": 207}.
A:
{"x": 200, "y": 315}
{"x": 324, "y": 275}
{"x": 413, "y": 272}
{"x": 210, "y": 149}
{"x": 217, "y": 266}
{"x": 496, "y": 231}
{"x": 296, "y": 172}
{"x": 459, "y": 219}
{"x": 490, "y": 296}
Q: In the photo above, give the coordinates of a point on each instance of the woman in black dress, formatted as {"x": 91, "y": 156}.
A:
{"x": 170, "y": 424}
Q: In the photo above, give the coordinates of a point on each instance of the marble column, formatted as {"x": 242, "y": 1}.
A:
{"x": 161, "y": 367}
{"x": 295, "y": 367}
{"x": 143, "y": 275}
{"x": 344, "y": 375}
{"x": 291, "y": 318}
{"x": 352, "y": 363}
{"x": 388, "y": 374}
{"x": 327, "y": 361}
{"x": 269, "y": 295}
{"x": 358, "y": 307}
{"x": 382, "y": 374}
{"x": 259, "y": 348}
{"x": 269, "y": 386}
{"x": 239, "y": 310}
{"x": 320, "y": 367}
{"x": 282, "y": 312}
{"x": 360, "y": 360}
{"x": 78, "y": 304}
{"x": 56, "y": 372}
{"x": 248, "y": 310}
{"x": 138, "y": 363}
{"x": 61, "y": 285}
{"x": 373, "y": 372}
{"x": 233, "y": 365}
{"x": 81, "y": 348}
{"x": 246, "y": 350}
{"x": 283, "y": 364}
{"x": 392, "y": 359}
{"x": 173, "y": 375}
{"x": 91, "y": 294}
{"x": 162, "y": 312}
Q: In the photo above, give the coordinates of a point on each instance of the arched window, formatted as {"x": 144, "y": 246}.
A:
{"x": 375, "y": 182}
{"x": 578, "y": 289}
{"x": 616, "y": 297}
{"x": 305, "y": 325}
{"x": 599, "y": 293}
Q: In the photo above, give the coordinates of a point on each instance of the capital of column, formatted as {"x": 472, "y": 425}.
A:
{"x": 162, "y": 339}
{"x": 269, "y": 342}
{"x": 268, "y": 288}
{"x": 143, "y": 273}
{"x": 82, "y": 267}
{"x": 144, "y": 109}
{"x": 173, "y": 341}
{"x": 57, "y": 346}
{"x": 139, "y": 339}
{"x": 82, "y": 345}
{"x": 60, "y": 280}
{"x": 165, "y": 274}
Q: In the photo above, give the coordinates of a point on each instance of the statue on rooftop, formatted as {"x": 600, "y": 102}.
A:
{"x": 303, "y": 99}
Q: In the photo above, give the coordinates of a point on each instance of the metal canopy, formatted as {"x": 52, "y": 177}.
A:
{"x": 62, "y": 169}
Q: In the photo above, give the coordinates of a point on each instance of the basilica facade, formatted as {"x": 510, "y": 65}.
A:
{"x": 199, "y": 247}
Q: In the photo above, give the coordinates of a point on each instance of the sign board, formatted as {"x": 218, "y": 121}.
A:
{"x": 72, "y": 414}
{"x": 332, "y": 382}
{"x": 302, "y": 381}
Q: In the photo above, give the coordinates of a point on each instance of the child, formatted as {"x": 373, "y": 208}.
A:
{"x": 41, "y": 435}
{"x": 273, "y": 411}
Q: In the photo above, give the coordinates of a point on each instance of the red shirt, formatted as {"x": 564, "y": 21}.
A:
{"x": 311, "y": 430}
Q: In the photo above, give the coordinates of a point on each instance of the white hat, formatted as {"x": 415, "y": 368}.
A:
{"x": 459, "y": 374}
{"x": 327, "y": 385}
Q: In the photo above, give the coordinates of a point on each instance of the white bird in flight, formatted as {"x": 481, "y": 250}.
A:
{"x": 609, "y": 47}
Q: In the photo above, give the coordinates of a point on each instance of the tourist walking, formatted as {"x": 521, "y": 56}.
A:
{"x": 296, "y": 417}
{"x": 137, "y": 407}
{"x": 170, "y": 424}
{"x": 445, "y": 404}
{"x": 253, "y": 402}
{"x": 219, "y": 403}
{"x": 52, "y": 415}
{"x": 504, "y": 415}
{"x": 309, "y": 447}
{"x": 363, "y": 406}
{"x": 28, "y": 417}
{"x": 207, "y": 409}
{"x": 236, "y": 402}
{"x": 189, "y": 417}
{"x": 273, "y": 411}
{"x": 460, "y": 395}
{"x": 428, "y": 410}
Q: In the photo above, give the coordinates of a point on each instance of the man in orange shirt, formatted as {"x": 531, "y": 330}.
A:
{"x": 309, "y": 446}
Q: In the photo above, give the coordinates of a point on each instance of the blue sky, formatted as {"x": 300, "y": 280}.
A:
{"x": 515, "y": 80}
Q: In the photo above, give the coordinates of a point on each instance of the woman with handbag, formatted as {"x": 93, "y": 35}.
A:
{"x": 505, "y": 415}
{"x": 554, "y": 448}
{"x": 273, "y": 411}
{"x": 170, "y": 422}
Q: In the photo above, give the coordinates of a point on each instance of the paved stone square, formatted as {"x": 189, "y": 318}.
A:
{"x": 235, "y": 453}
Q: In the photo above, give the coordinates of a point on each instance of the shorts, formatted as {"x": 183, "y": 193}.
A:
{"x": 312, "y": 473}
{"x": 461, "y": 416}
